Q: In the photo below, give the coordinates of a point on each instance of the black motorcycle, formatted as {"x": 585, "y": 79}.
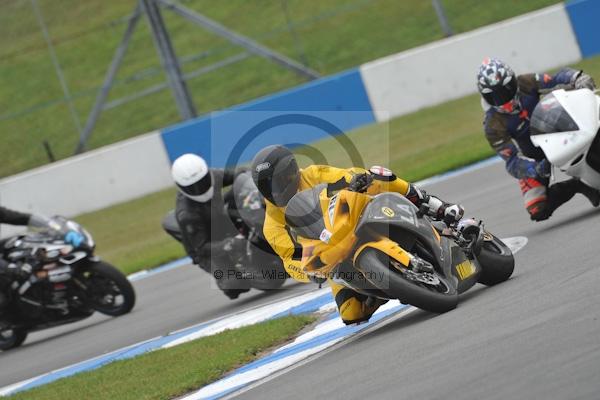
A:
{"x": 246, "y": 208}
{"x": 59, "y": 283}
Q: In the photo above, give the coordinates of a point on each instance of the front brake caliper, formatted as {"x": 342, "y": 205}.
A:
{"x": 419, "y": 265}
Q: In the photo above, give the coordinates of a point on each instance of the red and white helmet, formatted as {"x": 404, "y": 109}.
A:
{"x": 193, "y": 178}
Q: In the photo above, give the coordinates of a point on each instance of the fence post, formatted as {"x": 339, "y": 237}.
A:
{"x": 169, "y": 59}
{"x": 441, "y": 14}
{"x": 240, "y": 40}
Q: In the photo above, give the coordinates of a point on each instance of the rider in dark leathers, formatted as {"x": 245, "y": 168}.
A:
{"x": 207, "y": 232}
{"x": 508, "y": 101}
{"x": 9, "y": 271}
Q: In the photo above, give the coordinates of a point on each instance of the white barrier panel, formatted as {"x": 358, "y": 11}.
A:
{"x": 91, "y": 181}
{"x": 446, "y": 70}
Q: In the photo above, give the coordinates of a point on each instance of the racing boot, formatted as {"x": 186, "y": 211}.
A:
{"x": 592, "y": 194}
{"x": 234, "y": 293}
{"x": 232, "y": 282}
{"x": 561, "y": 192}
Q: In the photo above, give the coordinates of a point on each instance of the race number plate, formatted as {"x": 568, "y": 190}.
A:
{"x": 465, "y": 269}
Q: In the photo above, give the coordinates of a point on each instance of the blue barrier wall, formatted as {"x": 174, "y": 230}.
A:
{"x": 300, "y": 115}
{"x": 585, "y": 17}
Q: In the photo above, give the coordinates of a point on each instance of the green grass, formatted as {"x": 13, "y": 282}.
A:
{"x": 415, "y": 146}
{"x": 333, "y": 35}
{"x": 168, "y": 373}
{"x": 130, "y": 235}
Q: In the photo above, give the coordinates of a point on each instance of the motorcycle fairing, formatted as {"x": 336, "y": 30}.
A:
{"x": 388, "y": 247}
{"x": 325, "y": 226}
{"x": 247, "y": 201}
{"x": 304, "y": 214}
{"x": 393, "y": 215}
{"x": 346, "y": 275}
{"x": 466, "y": 271}
{"x": 563, "y": 148}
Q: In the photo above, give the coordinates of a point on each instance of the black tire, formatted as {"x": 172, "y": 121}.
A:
{"x": 496, "y": 260}
{"x": 373, "y": 263}
{"x": 271, "y": 275}
{"x": 104, "y": 280}
{"x": 12, "y": 339}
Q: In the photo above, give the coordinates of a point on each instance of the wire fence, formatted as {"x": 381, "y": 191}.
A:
{"x": 54, "y": 55}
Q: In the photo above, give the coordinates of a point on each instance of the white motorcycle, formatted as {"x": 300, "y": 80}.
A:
{"x": 566, "y": 125}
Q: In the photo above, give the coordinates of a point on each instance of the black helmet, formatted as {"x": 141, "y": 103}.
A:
{"x": 496, "y": 82}
{"x": 276, "y": 175}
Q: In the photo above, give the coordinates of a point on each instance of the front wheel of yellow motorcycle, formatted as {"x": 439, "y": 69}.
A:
{"x": 426, "y": 290}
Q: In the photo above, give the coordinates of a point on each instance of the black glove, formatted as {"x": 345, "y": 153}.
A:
{"x": 360, "y": 182}
{"x": 543, "y": 169}
{"x": 585, "y": 81}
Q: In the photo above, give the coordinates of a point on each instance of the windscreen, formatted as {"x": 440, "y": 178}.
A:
{"x": 248, "y": 201}
{"x": 303, "y": 213}
{"x": 549, "y": 116}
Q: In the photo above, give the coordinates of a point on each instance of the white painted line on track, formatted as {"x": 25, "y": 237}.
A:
{"x": 308, "y": 302}
{"x": 334, "y": 347}
{"x": 326, "y": 337}
{"x": 147, "y": 273}
{"x": 516, "y": 243}
{"x": 322, "y": 337}
{"x": 251, "y": 317}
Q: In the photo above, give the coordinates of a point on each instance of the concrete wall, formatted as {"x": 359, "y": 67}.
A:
{"x": 340, "y": 100}
{"x": 446, "y": 70}
{"x": 94, "y": 180}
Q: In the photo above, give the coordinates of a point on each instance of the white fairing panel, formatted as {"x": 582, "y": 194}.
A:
{"x": 562, "y": 148}
{"x": 585, "y": 173}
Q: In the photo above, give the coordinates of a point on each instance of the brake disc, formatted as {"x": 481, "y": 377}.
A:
{"x": 427, "y": 278}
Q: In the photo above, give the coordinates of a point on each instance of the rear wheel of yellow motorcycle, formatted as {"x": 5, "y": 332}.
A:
{"x": 438, "y": 298}
{"x": 496, "y": 260}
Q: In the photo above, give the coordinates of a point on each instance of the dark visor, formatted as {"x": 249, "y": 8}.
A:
{"x": 284, "y": 178}
{"x": 303, "y": 213}
{"x": 282, "y": 184}
{"x": 502, "y": 94}
{"x": 198, "y": 188}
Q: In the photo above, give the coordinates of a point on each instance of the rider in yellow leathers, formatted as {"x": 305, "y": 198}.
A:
{"x": 278, "y": 178}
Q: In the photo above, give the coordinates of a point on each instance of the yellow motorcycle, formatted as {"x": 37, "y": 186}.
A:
{"x": 384, "y": 246}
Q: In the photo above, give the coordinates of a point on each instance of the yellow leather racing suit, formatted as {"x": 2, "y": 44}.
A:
{"x": 351, "y": 305}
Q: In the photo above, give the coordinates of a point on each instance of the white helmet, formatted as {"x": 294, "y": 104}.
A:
{"x": 193, "y": 178}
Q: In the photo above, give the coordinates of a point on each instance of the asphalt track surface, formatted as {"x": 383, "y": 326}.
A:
{"x": 536, "y": 336}
{"x": 166, "y": 302}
